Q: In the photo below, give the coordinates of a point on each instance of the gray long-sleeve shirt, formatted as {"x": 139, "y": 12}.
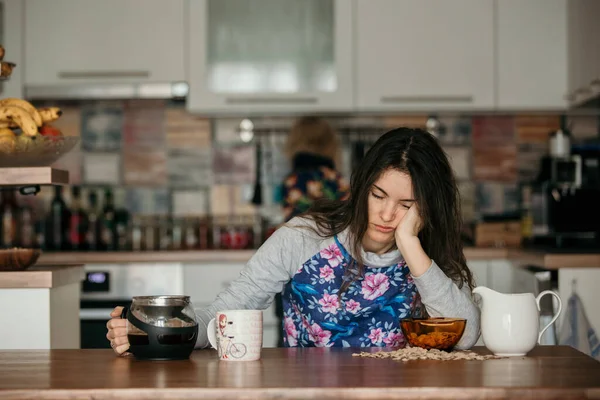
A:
{"x": 283, "y": 255}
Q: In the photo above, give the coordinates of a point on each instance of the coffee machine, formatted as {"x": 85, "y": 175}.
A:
{"x": 565, "y": 199}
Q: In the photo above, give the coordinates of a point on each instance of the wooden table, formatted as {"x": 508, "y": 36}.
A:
{"x": 314, "y": 373}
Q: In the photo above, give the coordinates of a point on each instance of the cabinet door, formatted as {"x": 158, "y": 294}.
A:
{"x": 479, "y": 269}
{"x": 257, "y": 56}
{"x": 11, "y": 38}
{"x": 532, "y": 54}
{"x": 203, "y": 282}
{"x": 574, "y": 46}
{"x": 425, "y": 54}
{"x": 583, "y": 52}
{"x": 74, "y": 41}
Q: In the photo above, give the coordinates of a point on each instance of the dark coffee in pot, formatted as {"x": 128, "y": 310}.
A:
{"x": 161, "y": 327}
{"x": 138, "y": 339}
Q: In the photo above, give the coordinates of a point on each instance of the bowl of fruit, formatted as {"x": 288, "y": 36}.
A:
{"x": 433, "y": 333}
{"x": 27, "y": 138}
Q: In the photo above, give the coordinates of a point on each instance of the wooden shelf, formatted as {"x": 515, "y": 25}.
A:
{"x": 33, "y": 176}
{"x": 124, "y": 257}
{"x": 48, "y": 276}
{"x": 518, "y": 256}
{"x": 191, "y": 256}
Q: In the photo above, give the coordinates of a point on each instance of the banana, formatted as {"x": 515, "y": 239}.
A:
{"x": 50, "y": 114}
{"x": 27, "y": 106}
{"x": 20, "y": 117}
{"x": 6, "y": 132}
{"x": 7, "y": 140}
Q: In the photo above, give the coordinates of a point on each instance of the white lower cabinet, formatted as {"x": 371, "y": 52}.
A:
{"x": 203, "y": 282}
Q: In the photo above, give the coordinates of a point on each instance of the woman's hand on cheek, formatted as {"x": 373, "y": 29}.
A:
{"x": 409, "y": 225}
{"x": 409, "y": 244}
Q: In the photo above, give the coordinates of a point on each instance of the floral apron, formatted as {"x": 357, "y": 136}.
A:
{"x": 367, "y": 314}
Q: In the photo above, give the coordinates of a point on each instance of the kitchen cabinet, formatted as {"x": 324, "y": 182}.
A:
{"x": 532, "y": 54}
{"x": 425, "y": 55}
{"x": 583, "y": 50}
{"x": 270, "y": 56}
{"x": 108, "y": 41}
{"x": 11, "y": 37}
{"x": 203, "y": 282}
{"x": 479, "y": 269}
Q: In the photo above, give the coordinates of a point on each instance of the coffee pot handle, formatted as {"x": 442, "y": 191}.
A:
{"x": 537, "y": 301}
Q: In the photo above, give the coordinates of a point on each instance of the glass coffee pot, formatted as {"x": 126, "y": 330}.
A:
{"x": 161, "y": 327}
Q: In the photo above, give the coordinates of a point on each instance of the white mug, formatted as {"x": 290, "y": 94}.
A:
{"x": 237, "y": 335}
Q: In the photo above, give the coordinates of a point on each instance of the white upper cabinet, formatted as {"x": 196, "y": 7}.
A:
{"x": 425, "y": 54}
{"x": 75, "y": 41}
{"x": 11, "y": 25}
{"x": 532, "y": 54}
{"x": 276, "y": 56}
{"x": 583, "y": 50}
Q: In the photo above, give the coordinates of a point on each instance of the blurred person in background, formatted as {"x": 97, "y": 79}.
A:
{"x": 313, "y": 148}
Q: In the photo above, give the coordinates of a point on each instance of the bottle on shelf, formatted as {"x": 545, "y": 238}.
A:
{"x": 136, "y": 234}
{"x": 122, "y": 224}
{"x": 57, "y": 222}
{"x": 78, "y": 222}
{"x": 107, "y": 224}
{"x": 41, "y": 233}
{"x": 93, "y": 223}
{"x": 8, "y": 211}
{"x": 26, "y": 228}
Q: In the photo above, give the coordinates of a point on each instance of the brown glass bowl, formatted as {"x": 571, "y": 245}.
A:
{"x": 433, "y": 333}
{"x": 18, "y": 259}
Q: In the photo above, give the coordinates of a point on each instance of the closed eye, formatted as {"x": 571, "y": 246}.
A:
{"x": 376, "y": 196}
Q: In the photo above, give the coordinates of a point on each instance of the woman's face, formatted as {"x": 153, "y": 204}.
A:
{"x": 389, "y": 199}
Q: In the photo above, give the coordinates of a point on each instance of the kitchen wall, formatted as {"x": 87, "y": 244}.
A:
{"x": 160, "y": 159}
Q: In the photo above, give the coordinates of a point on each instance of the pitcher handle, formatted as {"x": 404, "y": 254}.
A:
{"x": 537, "y": 301}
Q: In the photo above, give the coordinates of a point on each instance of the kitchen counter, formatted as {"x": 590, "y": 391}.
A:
{"x": 40, "y": 307}
{"x": 45, "y": 276}
{"x": 523, "y": 257}
{"x": 312, "y": 373}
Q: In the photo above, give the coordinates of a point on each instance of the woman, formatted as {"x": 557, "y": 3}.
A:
{"x": 313, "y": 148}
{"x": 350, "y": 270}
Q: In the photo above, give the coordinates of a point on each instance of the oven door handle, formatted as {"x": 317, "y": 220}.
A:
{"x": 95, "y": 314}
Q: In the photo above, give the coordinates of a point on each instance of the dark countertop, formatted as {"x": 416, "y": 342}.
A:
{"x": 549, "y": 372}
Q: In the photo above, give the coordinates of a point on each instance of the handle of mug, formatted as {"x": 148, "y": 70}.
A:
{"x": 537, "y": 301}
{"x": 211, "y": 332}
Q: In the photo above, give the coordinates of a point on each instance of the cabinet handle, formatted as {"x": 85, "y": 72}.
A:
{"x": 271, "y": 100}
{"x": 426, "y": 99}
{"x": 102, "y": 74}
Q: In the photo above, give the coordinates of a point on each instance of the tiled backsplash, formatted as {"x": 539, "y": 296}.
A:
{"x": 161, "y": 159}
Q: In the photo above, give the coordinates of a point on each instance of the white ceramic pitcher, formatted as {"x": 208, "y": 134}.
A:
{"x": 510, "y": 323}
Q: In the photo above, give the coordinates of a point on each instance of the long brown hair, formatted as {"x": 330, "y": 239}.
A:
{"x": 418, "y": 154}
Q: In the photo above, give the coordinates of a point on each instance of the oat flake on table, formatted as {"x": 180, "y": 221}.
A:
{"x": 417, "y": 353}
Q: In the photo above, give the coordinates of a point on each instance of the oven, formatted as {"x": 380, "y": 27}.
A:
{"x": 108, "y": 286}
